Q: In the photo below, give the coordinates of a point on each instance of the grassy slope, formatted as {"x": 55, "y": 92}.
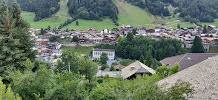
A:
{"x": 214, "y": 23}
{"x": 55, "y": 20}
{"x": 170, "y": 23}
{"x": 129, "y": 15}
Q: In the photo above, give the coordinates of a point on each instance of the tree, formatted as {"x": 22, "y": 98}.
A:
{"x": 174, "y": 69}
{"x": 115, "y": 29}
{"x": 142, "y": 59}
{"x": 6, "y": 92}
{"x": 205, "y": 29}
{"x": 54, "y": 39}
{"x": 112, "y": 68}
{"x": 70, "y": 62}
{"x": 103, "y": 67}
{"x": 197, "y": 46}
{"x": 134, "y": 31}
{"x": 163, "y": 71}
{"x": 49, "y": 27}
{"x": 178, "y": 26}
{"x": 42, "y": 32}
{"x": 126, "y": 62}
{"x": 187, "y": 18}
{"x": 148, "y": 59}
{"x": 77, "y": 23}
{"x": 103, "y": 58}
{"x": 67, "y": 30}
{"x": 88, "y": 68}
{"x": 75, "y": 39}
{"x": 15, "y": 39}
{"x": 45, "y": 84}
{"x": 130, "y": 36}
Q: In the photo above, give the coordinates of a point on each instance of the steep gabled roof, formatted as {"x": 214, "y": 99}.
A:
{"x": 187, "y": 60}
{"x": 138, "y": 68}
{"x": 202, "y": 76}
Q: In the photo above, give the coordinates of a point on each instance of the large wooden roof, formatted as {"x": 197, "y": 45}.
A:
{"x": 203, "y": 77}
{"x": 136, "y": 67}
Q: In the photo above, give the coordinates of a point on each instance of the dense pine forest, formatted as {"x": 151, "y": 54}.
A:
{"x": 200, "y": 10}
{"x": 155, "y": 7}
{"x": 193, "y": 11}
{"x": 42, "y": 8}
{"x": 93, "y": 9}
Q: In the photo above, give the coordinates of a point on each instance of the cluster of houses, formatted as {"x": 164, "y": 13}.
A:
{"x": 92, "y": 36}
{"x": 50, "y": 51}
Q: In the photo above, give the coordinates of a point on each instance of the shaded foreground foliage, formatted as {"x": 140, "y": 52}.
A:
{"x": 45, "y": 84}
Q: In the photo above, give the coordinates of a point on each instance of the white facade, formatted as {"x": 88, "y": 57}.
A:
{"x": 96, "y": 53}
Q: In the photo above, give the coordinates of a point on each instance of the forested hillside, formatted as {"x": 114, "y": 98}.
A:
{"x": 155, "y": 7}
{"x": 193, "y": 11}
{"x": 200, "y": 10}
{"x": 93, "y": 9}
{"x": 42, "y": 8}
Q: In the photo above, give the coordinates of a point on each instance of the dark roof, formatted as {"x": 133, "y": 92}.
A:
{"x": 187, "y": 60}
{"x": 106, "y": 69}
{"x": 96, "y": 49}
{"x": 119, "y": 66}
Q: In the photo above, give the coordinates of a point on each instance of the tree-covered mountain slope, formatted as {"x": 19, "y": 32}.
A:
{"x": 197, "y": 10}
{"x": 41, "y": 8}
{"x": 93, "y": 9}
{"x": 193, "y": 11}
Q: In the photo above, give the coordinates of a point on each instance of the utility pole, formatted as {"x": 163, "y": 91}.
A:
{"x": 69, "y": 66}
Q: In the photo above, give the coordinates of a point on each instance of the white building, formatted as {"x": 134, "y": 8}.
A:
{"x": 96, "y": 53}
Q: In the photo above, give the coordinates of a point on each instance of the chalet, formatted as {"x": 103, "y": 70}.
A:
{"x": 73, "y": 30}
{"x": 211, "y": 27}
{"x": 91, "y": 30}
{"x": 215, "y": 42}
{"x": 202, "y": 76}
{"x": 96, "y": 39}
{"x": 150, "y": 30}
{"x": 49, "y": 34}
{"x": 136, "y": 69}
{"x": 141, "y": 30}
{"x": 96, "y": 53}
{"x": 109, "y": 39}
{"x": 54, "y": 45}
{"x": 42, "y": 42}
{"x": 105, "y": 31}
{"x": 187, "y": 60}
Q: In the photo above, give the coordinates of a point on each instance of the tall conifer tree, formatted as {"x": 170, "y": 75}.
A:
{"x": 197, "y": 46}
{"x": 15, "y": 40}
